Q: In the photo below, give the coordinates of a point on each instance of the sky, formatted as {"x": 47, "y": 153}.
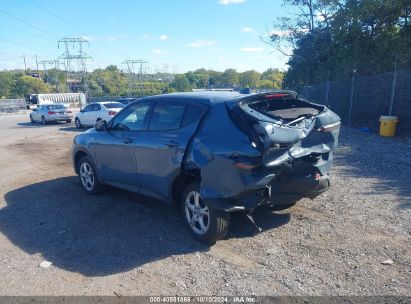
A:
{"x": 182, "y": 34}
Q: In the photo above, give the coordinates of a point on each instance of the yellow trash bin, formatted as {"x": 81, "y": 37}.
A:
{"x": 387, "y": 125}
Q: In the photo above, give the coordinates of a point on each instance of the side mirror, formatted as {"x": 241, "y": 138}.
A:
{"x": 101, "y": 125}
{"x": 82, "y": 110}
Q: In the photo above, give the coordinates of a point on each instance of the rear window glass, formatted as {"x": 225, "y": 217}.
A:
{"x": 114, "y": 105}
{"x": 166, "y": 117}
{"x": 56, "y": 107}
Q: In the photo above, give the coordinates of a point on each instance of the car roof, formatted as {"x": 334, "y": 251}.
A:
{"x": 205, "y": 97}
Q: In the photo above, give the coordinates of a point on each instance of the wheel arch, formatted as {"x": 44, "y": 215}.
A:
{"x": 77, "y": 156}
{"x": 182, "y": 180}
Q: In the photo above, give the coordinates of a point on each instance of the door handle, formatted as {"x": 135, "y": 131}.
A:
{"x": 172, "y": 144}
{"x": 126, "y": 140}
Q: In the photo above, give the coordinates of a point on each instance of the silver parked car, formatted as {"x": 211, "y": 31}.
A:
{"x": 51, "y": 113}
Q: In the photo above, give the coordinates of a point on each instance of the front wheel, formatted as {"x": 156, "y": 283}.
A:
{"x": 31, "y": 119}
{"x": 43, "y": 120}
{"x": 78, "y": 123}
{"x": 206, "y": 224}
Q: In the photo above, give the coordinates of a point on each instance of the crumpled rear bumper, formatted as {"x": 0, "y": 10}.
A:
{"x": 286, "y": 190}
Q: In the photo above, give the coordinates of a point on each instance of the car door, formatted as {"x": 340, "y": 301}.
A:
{"x": 83, "y": 115}
{"x": 114, "y": 149}
{"x": 95, "y": 113}
{"x": 36, "y": 114}
{"x": 160, "y": 150}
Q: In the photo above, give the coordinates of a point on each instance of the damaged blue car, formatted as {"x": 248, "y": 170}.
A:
{"x": 212, "y": 153}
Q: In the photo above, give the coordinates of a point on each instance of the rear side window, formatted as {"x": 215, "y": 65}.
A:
{"x": 191, "y": 115}
{"x": 167, "y": 117}
{"x": 95, "y": 107}
{"x": 114, "y": 105}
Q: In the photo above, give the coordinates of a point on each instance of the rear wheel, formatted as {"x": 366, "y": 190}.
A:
{"x": 206, "y": 224}
{"x": 43, "y": 120}
{"x": 78, "y": 123}
{"x": 88, "y": 177}
{"x": 31, "y": 119}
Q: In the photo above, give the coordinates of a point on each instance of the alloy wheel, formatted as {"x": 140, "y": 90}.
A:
{"x": 197, "y": 213}
{"x": 87, "y": 176}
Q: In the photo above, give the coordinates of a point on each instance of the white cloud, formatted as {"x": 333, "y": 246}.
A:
{"x": 158, "y": 51}
{"x": 201, "y": 43}
{"x": 250, "y": 49}
{"x": 227, "y": 2}
{"x": 247, "y": 29}
{"x": 163, "y": 37}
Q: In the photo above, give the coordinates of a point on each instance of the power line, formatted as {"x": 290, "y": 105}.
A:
{"x": 27, "y": 23}
{"x": 58, "y": 17}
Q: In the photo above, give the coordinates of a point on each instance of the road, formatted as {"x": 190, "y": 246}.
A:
{"x": 124, "y": 244}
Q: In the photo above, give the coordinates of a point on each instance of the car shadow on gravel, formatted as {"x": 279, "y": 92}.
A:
{"x": 101, "y": 235}
{"x": 73, "y": 129}
{"x": 38, "y": 125}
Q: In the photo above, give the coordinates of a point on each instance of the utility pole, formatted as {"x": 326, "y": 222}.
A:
{"x": 25, "y": 65}
{"x": 354, "y": 72}
{"x": 37, "y": 64}
{"x": 394, "y": 84}
{"x": 327, "y": 89}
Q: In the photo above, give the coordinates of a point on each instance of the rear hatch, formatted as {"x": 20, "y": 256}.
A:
{"x": 284, "y": 127}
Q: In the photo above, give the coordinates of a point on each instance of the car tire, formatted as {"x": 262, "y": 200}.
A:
{"x": 87, "y": 175}
{"x": 43, "y": 120}
{"x": 206, "y": 224}
{"x": 31, "y": 119}
{"x": 68, "y": 121}
{"x": 78, "y": 123}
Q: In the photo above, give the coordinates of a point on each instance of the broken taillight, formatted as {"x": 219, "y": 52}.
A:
{"x": 330, "y": 127}
{"x": 274, "y": 96}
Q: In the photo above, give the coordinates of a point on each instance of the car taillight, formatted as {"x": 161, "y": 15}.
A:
{"x": 112, "y": 113}
{"x": 330, "y": 127}
{"x": 245, "y": 166}
{"x": 51, "y": 112}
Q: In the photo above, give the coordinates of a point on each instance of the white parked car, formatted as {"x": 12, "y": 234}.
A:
{"x": 97, "y": 111}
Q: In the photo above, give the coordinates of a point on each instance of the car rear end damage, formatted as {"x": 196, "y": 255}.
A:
{"x": 270, "y": 148}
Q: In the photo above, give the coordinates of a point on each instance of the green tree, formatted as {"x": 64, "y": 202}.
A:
{"x": 30, "y": 85}
{"x": 250, "y": 79}
{"x": 181, "y": 83}
{"x": 230, "y": 78}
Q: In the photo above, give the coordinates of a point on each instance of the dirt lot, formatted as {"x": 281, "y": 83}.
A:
{"x": 128, "y": 245}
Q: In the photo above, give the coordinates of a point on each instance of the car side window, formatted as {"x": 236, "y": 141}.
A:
{"x": 192, "y": 114}
{"x": 167, "y": 117}
{"x": 96, "y": 107}
{"x": 88, "y": 108}
{"x": 132, "y": 118}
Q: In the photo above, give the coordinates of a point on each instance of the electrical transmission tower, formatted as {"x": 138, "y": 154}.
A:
{"x": 74, "y": 54}
{"x": 142, "y": 67}
{"x": 137, "y": 72}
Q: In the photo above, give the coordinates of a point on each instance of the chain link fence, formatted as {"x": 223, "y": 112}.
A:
{"x": 12, "y": 105}
{"x": 361, "y": 101}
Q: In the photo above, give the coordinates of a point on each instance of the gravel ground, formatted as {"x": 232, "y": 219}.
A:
{"x": 119, "y": 243}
